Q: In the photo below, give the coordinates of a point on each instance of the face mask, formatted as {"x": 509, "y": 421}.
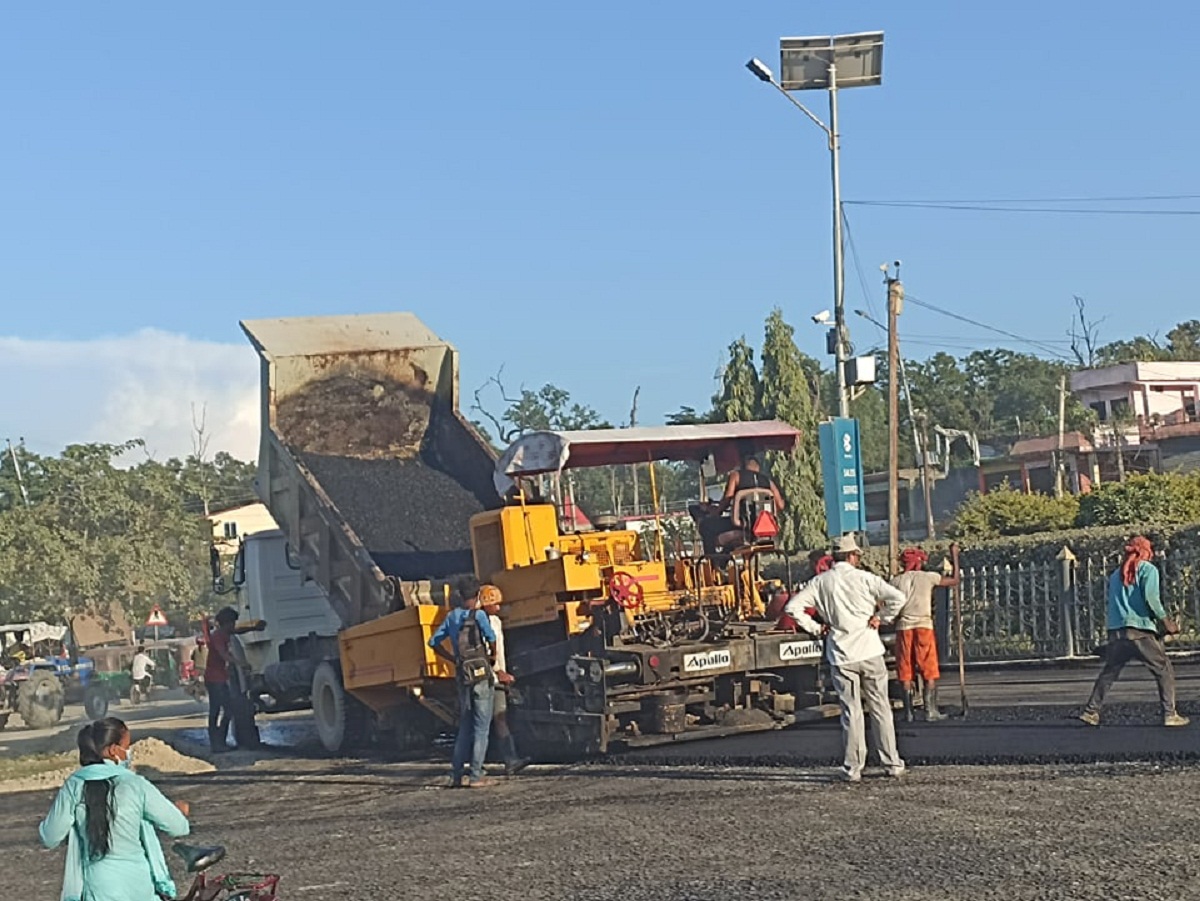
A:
{"x": 124, "y": 764}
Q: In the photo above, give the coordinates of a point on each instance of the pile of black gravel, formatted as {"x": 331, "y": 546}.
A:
{"x": 412, "y": 518}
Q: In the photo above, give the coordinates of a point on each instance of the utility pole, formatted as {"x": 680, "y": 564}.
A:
{"x": 927, "y": 477}
{"x": 633, "y": 466}
{"x": 1059, "y": 459}
{"x": 895, "y": 292}
{"x": 12, "y": 453}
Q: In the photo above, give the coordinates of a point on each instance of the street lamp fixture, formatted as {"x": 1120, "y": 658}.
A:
{"x": 828, "y": 63}
{"x": 760, "y": 70}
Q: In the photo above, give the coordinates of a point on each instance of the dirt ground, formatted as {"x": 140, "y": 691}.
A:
{"x": 369, "y": 831}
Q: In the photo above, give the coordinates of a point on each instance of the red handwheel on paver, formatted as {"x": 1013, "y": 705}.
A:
{"x": 626, "y": 591}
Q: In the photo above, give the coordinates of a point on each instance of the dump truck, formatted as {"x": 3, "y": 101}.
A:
{"x": 373, "y": 475}
{"x": 386, "y": 494}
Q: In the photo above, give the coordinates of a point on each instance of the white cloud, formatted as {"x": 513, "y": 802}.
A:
{"x": 140, "y": 385}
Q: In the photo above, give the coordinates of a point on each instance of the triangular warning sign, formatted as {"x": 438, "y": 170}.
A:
{"x": 765, "y": 525}
{"x": 156, "y": 617}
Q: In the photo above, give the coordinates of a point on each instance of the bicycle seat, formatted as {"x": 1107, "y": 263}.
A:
{"x": 198, "y": 858}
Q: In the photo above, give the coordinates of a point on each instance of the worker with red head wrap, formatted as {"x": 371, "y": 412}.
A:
{"x": 820, "y": 561}
{"x": 1135, "y": 611}
{"x": 916, "y": 643}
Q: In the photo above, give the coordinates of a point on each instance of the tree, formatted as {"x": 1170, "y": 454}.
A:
{"x": 690, "y": 416}
{"x": 1085, "y": 335}
{"x": 738, "y": 399}
{"x": 101, "y": 534}
{"x": 1183, "y": 344}
{"x": 32, "y": 477}
{"x": 940, "y": 387}
{"x": 1142, "y": 349}
{"x": 786, "y": 394}
{"x": 548, "y": 408}
{"x": 1183, "y": 341}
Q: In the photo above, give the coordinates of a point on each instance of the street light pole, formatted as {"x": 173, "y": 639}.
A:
{"x": 812, "y": 63}
{"x": 839, "y": 263}
{"x": 895, "y": 293}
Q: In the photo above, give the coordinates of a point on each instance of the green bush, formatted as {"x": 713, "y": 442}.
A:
{"x": 1166, "y": 498}
{"x": 1005, "y": 511}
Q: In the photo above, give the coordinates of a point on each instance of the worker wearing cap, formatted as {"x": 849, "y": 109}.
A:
{"x": 852, "y": 604}
{"x": 916, "y": 642}
{"x": 490, "y": 599}
{"x": 475, "y": 699}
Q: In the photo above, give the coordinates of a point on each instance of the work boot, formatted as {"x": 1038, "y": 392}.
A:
{"x": 216, "y": 741}
{"x": 908, "y": 704}
{"x": 1175, "y": 719}
{"x": 1091, "y": 717}
{"x": 513, "y": 762}
{"x": 932, "y": 714}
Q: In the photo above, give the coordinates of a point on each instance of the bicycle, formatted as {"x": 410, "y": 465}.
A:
{"x": 227, "y": 886}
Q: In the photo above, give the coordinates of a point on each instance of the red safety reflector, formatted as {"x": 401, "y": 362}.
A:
{"x": 765, "y": 526}
{"x": 654, "y": 661}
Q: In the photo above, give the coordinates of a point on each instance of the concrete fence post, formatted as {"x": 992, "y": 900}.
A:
{"x": 1066, "y": 597}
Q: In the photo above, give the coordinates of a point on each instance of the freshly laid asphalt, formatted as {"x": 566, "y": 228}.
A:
{"x": 1019, "y": 715}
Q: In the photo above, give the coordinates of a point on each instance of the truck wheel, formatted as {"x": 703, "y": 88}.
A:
{"x": 40, "y": 700}
{"x": 95, "y": 703}
{"x": 341, "y": 720}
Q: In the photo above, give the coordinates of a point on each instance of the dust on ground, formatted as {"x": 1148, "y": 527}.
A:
{"x": 151, "y": 757}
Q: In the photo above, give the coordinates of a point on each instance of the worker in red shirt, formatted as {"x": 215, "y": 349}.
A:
{"x": 820, "y": 561}
{"x": 216, "y": 680}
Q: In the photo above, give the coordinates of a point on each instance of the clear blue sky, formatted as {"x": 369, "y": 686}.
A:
{"x": 597, "y": 195}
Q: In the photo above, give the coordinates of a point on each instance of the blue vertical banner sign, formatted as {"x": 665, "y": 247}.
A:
{"x": 841, "y": 468}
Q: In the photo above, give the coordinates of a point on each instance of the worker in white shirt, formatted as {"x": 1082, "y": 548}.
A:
{"x": 490, "y": 599}
{"x": 853, "y": 603}
{"x": 142, "y": 667}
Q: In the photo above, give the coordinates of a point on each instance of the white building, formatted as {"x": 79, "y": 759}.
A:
{"x": 230, "y": 526}
{"x": 1141, "y": 391}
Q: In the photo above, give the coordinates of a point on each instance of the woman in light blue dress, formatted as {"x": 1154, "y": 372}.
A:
{"x": 107, "y": 815}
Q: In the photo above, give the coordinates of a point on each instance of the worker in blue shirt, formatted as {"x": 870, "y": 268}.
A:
{"x": 470, "y": 636}
{"x": 1135, "y": 611}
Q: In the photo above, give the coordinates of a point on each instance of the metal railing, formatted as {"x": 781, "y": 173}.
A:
{"x": 1058, "y": 609}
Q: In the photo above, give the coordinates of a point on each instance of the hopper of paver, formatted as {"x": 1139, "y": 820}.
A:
{"x": 365, "y": 460}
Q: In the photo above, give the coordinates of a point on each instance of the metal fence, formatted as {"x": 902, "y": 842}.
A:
{"x": 1058, "y": 609}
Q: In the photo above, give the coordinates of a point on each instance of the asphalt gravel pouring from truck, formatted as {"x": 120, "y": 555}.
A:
{"x": 385, "y": 494}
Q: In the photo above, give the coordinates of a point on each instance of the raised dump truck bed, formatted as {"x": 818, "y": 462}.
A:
{"x": 365, "y": 460}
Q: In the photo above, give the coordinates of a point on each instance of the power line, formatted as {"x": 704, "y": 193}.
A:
{"x": 980, "y": 208}
{"x": 1120, "y": 199}
{"x": 862, "y": 278}
{"x": 1043, "y": 345}
{"x": 1045, "y": 348}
